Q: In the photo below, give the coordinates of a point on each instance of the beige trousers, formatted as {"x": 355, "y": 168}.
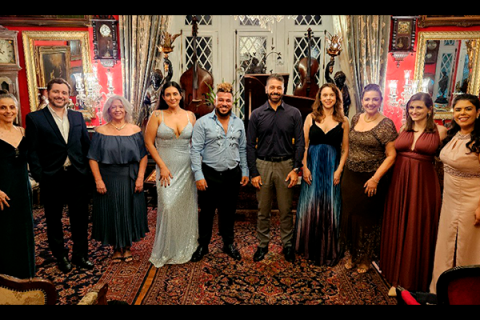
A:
{"x": 273, "y": 176}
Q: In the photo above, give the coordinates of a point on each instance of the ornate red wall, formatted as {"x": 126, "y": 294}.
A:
{"x": 102, "y": 76}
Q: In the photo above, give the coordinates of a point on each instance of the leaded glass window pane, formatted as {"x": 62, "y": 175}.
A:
{"x": 252, "y": 60}
{"x": 305, "y": 20}
{"x": 205, "y": 20}
{"x": 204, "y": 52}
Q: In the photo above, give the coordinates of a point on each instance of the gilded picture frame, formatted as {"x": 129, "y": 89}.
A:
{"x": 32, "y": 68}
{"x": 51, "y": 20}
{"x": 426, "y": 21}
{"x": 474, "y": 36}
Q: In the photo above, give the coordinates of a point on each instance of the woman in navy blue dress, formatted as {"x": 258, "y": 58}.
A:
{"x": 318, "y": 212}
{"x": 118, "y": 159}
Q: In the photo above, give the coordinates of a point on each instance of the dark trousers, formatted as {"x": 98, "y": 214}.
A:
{"x": 221, "y": 195}
{"x": 72, "y": 188}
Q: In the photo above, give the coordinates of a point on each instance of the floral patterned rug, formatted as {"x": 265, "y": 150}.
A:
{"x": 219, "y": 280}
{"x": 216, "y": 279}
{"x": 123, "y": 279}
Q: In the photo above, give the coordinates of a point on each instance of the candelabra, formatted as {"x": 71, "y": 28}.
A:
{"x": 89, "y": 95}
{"x": 395, "y": 109}
{"x": 410, "y": 87}
{"x": 334, "y": 45}
{"x": 110, "y": 84}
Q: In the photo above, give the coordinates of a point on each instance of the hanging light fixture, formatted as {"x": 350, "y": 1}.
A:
{"x": 264, "y": 21}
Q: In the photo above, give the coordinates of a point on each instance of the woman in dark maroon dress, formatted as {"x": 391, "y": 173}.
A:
{"x": 413, "y": 203}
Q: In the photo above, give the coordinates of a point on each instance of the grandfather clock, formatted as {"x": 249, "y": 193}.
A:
{"x": 105, "y": 40}
{"x": 9, "y": 64}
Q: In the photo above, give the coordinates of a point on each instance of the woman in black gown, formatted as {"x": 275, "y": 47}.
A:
{"x": 16, "y": 219}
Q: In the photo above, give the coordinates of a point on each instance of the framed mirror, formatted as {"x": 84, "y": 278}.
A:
{"x": 447, "y": 64}
{"x": 54, "y": 54}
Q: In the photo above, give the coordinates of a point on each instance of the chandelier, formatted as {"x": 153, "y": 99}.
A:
{"x": 264, "y": 21}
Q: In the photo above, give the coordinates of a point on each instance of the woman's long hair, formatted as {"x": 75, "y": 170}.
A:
{"x": 162, "y": 103}
{"x": 318, "y": 114}
{"x": 427, "y": 99}
{"x": 474, "y": 144}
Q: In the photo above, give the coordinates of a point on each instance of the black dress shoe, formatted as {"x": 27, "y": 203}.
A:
{"x": 64, "y": 265}
{"x": 199, "y": 253}
{"x": 232, "y": 251}
{"x": 289, "y": 254}
{"x": 260, "y": 254}
{"x": 82, "y": 263}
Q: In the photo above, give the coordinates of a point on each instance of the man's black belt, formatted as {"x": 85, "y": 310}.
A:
{"x": 275, "y": 159}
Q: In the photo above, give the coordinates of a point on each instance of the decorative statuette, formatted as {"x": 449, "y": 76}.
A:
{"x": 166, "y": 47}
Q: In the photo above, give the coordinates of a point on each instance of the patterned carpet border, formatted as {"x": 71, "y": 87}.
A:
{"x": 219, "y": 280}
{"x": 215, "y": 280}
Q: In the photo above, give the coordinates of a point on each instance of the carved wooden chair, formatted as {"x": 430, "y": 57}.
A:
{"x": 33, "y": 291}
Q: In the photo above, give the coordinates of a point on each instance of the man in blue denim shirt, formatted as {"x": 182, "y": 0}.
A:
{"x": 219, "y": 162}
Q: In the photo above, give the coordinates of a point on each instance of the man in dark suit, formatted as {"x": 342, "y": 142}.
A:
{"x": 58, "y": 146}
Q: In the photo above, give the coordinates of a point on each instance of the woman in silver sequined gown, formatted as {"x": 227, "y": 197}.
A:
{"x": 167, "y": 138}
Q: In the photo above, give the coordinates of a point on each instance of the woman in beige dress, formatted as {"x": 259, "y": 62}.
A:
{"x": 458, "y": 241}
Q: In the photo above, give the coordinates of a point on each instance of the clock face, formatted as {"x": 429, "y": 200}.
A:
{"x": 105, "y": 30}
{"x": 404, "y": 27}
{"x": 431, "y": 45}
{"x": 7, "y": 51}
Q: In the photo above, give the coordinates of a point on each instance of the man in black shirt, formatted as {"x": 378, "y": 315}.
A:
{"x": 275, "y": 149}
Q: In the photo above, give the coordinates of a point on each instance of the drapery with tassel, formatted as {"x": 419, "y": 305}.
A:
{"x": 140, "y": 36}
{"x": 365, "y": 50}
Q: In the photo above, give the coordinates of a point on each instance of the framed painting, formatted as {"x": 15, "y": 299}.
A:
{"x": 51, "y": 20}
{"x": 54, "y": 62}
{"x": 75, "y": 49}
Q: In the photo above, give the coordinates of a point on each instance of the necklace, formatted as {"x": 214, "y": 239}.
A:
{"x": 118, "y": 127}
{"x": 371, "y": 120}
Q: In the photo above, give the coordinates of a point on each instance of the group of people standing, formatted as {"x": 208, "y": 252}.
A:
{"x": 368, "y": 192}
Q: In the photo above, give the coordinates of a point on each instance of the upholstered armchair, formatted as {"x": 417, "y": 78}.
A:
{"x": 33, "y": 291}
{"x": 459, "y": 286}
{"x": 38, "y": 291}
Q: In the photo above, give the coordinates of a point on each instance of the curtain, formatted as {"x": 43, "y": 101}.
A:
{"x": 365, "y": 51}
{"x": 140, "y": 36}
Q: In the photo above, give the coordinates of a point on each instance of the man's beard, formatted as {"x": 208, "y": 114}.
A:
{"x": 275, "y": 97}
{"x": 56, "y": 104}
{"x": 223, "y": 115}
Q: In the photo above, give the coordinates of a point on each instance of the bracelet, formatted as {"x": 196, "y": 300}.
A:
{"x": 375, "y": 180}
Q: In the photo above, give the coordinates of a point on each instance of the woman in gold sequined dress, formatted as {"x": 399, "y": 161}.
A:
{"x": 458, "y": 240}
{"x": 365, "y": 181}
